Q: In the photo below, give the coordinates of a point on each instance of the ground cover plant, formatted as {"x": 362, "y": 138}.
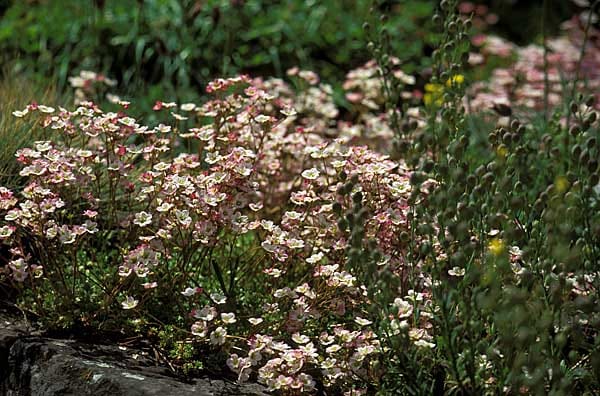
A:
{"x": 435, "y": 237}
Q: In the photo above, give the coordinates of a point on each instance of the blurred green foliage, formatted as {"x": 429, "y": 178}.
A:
{"x": 169, "y": 49}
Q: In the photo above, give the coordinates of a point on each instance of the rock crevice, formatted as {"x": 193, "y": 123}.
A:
{"x": 32, "y": 365}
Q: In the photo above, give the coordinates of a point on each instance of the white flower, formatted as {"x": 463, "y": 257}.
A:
{"x": 300, "y": 338}
{"x": 362, "y": 321}
{"x": 45, "y": 109}
{"x": 255, "y": 321}
{"x": 190, "y": 291}
{"x": 188, "y": 106}
{"x": 142, "y": 219}
{"x": 315, "y": 258}
{"x": 310, "y": 174}
{"x": 294, "y": 243}
{"x": 178, "y": 116}
{"x": 288, "y": 111}
{"x": 127, "y": 121}
{"x": 218, "y": 298}
{"x": 161, "y": 166}
{"x": 20, "y": 113}
{"x": 228, "y": 318}
{"x": 129, "y": 303}
{"x": 424, "y": 344}
{"x": 456, "y": 271}
{"x": 217, "y": 337}
{"x": 163, "y": 128}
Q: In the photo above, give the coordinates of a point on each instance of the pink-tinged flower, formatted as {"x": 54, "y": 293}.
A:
{"x": 405, "y": 308}
{"x": 66, "y": 236}
{"x": 206, "y": 314}
{"x": 129, "y": 303}
{"x": 6, "y": 231}
{"x": 200, "y": 329}
{"x": 190, "y": 291}
{"x": 90, "y": 213}
{"x": 142, "y": 219}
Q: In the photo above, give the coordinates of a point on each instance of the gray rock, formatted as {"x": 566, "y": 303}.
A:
{"x": 38, "y": 366}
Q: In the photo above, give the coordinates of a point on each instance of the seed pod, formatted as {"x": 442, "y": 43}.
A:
{"x": 584, "y": 157}
{"x": 594, "y": 179}
{"x": 404, "y": 236}
{"x": 350, "y": 218}
{"x": 590, "y": 101}
{"x": 337, "y": 208}
{"x": 480, "y": 170}
{"x": 428, "y": 166}
{"x": 592, "y": 165}
{"x": 502, "y": 109}
{"x": 592, "y": 117}
{"x": 591, "y": 142}
{"x": 471, "y": 181}
{"x": 516, "y": 203}
{"x": 574, "y": 107}
{"x": 574, "y": 130}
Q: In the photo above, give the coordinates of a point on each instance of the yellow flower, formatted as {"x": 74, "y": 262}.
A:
{"x": 502, "y": 151}
{"x": 561, "y": 184}
{"x": 433, "y": 94}
{"x": 457, "y": 79}
{"x": 496, "y": 246}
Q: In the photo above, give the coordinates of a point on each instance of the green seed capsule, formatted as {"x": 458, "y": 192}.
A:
{"x": 591, "y": 142}
{"x": 584, "y": 157}
{"x": 337, "y": 208}
{"x": 574, "y": 130}
{"x": 590, "y": 101}
{"x": 574, "y": 107}
{"x": 592, "y": 117}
